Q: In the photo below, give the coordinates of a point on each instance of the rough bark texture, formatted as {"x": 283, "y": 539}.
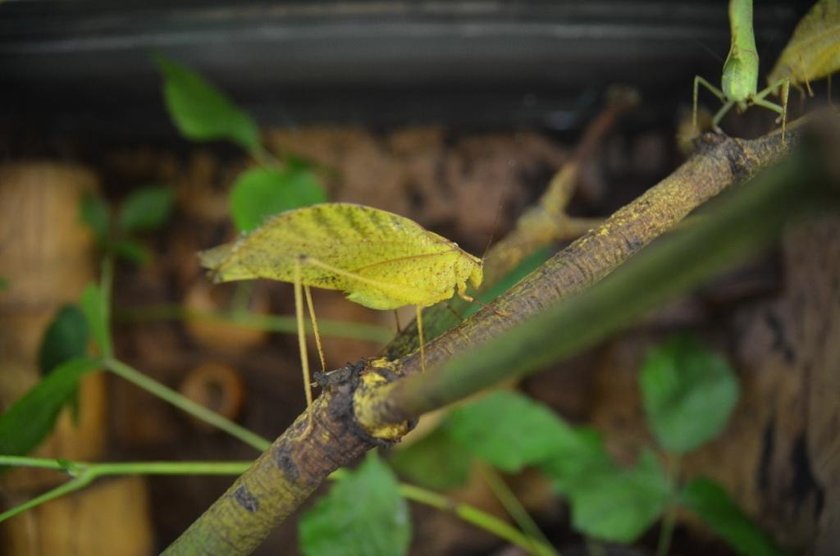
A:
{"x": 592, "y": 257}
{"x": 268, "y": 492}
{"x": 282, "y": 477}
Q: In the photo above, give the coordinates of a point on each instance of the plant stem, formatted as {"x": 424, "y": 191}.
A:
{"x": 475, "y": 517}
{"x": 666, "y": 531}
{"x": 106, "y": 282}
{"x": 185, "y": 404}
{"x": 68, "y": 487}
{"x": 272, "y": 323}
{"x": 515, "y": 509}
{"x": 102, "y": 469}
{"x": 85, "y": 473}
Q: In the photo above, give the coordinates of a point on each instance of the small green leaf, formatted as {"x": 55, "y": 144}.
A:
{"x": 66, "y": 338}
{"x": 619, "y": 505}
{"x": 94, "y": 213}
{"x": 203, "y": 113}
{"x": 713, "y": 505}
{"x": 29, "y": 420}
{"x": 131, "y": 251}
{"x": 96, "y": 311}
{"x": 261, "y": 192}
{"x": 510, "y": 431}
{"x": 435, "y": 461}
{"x": 689, "y": 394}
{"x": 146, "y": 209}
{"x": 583, "y": 454}
{"x": 363, "y": 513}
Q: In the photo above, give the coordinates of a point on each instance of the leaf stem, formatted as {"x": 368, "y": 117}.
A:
{"x": 85, "y": 473}
{"x": 666, "y": 531}
{"x": 474, "y": 516}
{"x": 61, "y": 490}
{"x": 106, "y": 282}
{"x": 273, "y": 323}
{"x": 185, "y": 404}
{"x": 515, "y": 509}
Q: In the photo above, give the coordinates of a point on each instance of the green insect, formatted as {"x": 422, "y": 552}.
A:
{"x": 739, "y": 82}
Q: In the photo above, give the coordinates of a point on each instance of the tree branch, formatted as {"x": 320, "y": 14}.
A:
{"x": 363, "y": 404}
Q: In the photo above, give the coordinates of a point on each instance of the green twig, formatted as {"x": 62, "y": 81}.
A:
{"x": 666, "y": 531}
{"x": 185, "y": 404}
{"x": 106, "y": 282}
{"x": 519, "y": 514}
{"x": 85, "y": 473}
{"x": 473, "y": 516}
{"x": 272, "y": 323}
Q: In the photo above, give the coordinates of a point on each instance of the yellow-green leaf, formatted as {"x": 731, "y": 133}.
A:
{"x": 381, "y": 260}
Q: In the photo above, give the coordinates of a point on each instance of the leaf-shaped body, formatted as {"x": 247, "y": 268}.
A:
{"x": 814, "y": 48}
{"x": 380, "y": 259}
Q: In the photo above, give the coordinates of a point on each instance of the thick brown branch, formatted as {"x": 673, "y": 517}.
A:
{"x": 544, "y": 223}
{"x": 282, "y": 477}
{"x": 296, "y": 463}
{"x": 723, "y": 161}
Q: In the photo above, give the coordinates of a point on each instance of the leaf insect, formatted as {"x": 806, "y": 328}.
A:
{"x": 379, "y": 259}
{"x": 813, "y": 50}
{"x": 739, "y": 81}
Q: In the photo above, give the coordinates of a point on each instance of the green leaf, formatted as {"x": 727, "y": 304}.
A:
{"x": 131, "y": 251}
{"x": 261, "y": 192}
{"x": 94, "y": 213}
{"x": 581, "y": 455}
{"x": 146, "y": 209}
{"x": 29, "y": 420}
{"x": 66, "y": 338}
{"x": 510, "y": 431}
{"x": 4, "y": 283}
{"x": 201, "y": 112}
{"x": 689, "y": 393}
{"x": 435, "y": 461}
{"x": 713, "y": 505}
{"x": 362, "y": 514}
{"x": 96, "y": 312}
{"x": 619, "y": 505}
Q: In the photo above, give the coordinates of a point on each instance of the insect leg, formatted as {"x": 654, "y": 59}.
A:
{"x": 308, "y": 294}
{"x": 760, "y": 100}
{"x": 462, "y": 292}
{"x": 721, "y": 113}
{"x": 304, "y": 357}
{"x": 714, "y": 90}
{"x": 420, "y": 338}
